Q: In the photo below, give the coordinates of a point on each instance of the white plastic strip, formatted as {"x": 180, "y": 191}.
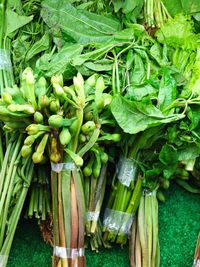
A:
{"x": 3, "y": 260}
{"x": 118, "y": 221}
{"x": 92, "y": 215}
{"x": 5, "y": 62}
{"x": 68, "y": 253}
{"x": 196, "y": 263}
{"x": 126, "y": 170}
{"x": 58, "y": 167}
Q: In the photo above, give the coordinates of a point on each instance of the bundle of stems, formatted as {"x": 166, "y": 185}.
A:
{"x": 40, "y": 199}
{"x": 197, "y": 253}
{"x": 125, "y": 198}
{"x": 94, "y": 188}
{"x": 144, "y": 244}
{"x": 155, "y": 13}
{"x": 16, "y": 174}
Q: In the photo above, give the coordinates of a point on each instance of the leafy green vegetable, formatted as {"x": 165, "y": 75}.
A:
{"x": 60, "y": 61}
{"x": 39, "y": 46}
{"x": 167, "y": 92}
{"x": 15, "y": 21}
{"x": 168, "y": 155}
{"x": 140, "y": 91}
{"x": 82, "y": 26}
{"x": 179, "y": 33}
{"x": 190, "y": 151}
{"x": 134, "y": 117}
{"x": 187, "y": 7}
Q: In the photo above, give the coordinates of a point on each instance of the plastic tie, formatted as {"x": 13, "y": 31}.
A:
{"x": 59, "y": 167}
{"x": 5, "y": 62}
{"x": 126, "y": 170}
{"x": 92, "y": 215}
{"x": 118, "y": 221}
{"x": 68, "y": 253}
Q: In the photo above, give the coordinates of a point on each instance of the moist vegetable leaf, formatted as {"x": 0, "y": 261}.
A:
{"x": 168, "y": 154}
{"x": 174, "y": 7}
{"x": 190, "y": 6}
{"x": 138, "y": 71}
{"x": 179, "y": 33}
{"x": 39, "y": 46}
{"x": 15, "y": 21}
{"x": 194, "y": 85}
{"x": 134, "y": 117}
{"x": 99, "y": 65}
{"x": 83, "y": 26}
{"x": 194, "y": 115}
{"x": 167, "y": 91}
{"x": 60, "y": 61}
{"x": 189, "y": 152}
{"x": 137, "y": 92}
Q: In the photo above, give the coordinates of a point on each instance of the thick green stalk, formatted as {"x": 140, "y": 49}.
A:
{"x": 61, "y": 220}
{"x": 138, "y": 250}
{"x": 1, "y": 150}
{"x": 15, "y": 215}
{"x": 154, "y": 209}
{"x": 81, "y": 211}
{"x": 66, "y": 176}
{"x": 132, "y": 244}
{"x": 10, "y": 170}
{"x": 142, "y": 232}
{"x": 148, "y": 219}
{"x": 5, "y": 166}
{"x": 8, "y": 202}
{"x": 54, "y": 187}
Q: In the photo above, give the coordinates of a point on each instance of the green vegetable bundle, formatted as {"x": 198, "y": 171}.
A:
{"x": 112, "y": 111}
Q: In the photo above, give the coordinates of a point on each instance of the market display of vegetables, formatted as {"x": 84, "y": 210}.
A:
{"x": 99, "y": 114}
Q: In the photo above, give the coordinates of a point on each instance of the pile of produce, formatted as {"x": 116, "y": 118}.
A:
{"x": 99, "y": 113}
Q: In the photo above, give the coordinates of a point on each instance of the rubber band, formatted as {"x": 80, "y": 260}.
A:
{"x": 118, "y": 221}
{"x": 68, "y": 253}
{"x": 92, "y": 216}
{"x": 126, "y": 170}
{"x": 5, "y": 62}
{"x": 59, "y": 167}
{"x": 3, "y": 260}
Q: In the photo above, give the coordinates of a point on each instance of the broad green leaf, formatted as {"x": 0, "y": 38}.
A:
{"x": 188, "y": 152}
{"x": 94, "y": 55}
{"x": 99, "y": 65}
{"x": 190, "y": 6}
{"x": 130, "y": 5}
{"x": 137, "y": 92}
{"x": 168, "y": 155}
{"x": 179, "y": 33}
{"x": 14, "y": 5}
{"x": 174, "y": 7}
{"x": 134, "y": 117}
{"x": 60, "y": 61}
{"x": 167, "y": 91}
{"x": 83, "y": 26}
{"x": 15, "y": 21}
{"x": 138, "y": 71}
{"x": 38, "y": 47}
{"x": 194, "y": 85}
{"x": 194, "y": 115}
{"x": 157, "y": 53}
{"x": 118, "y": 4}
